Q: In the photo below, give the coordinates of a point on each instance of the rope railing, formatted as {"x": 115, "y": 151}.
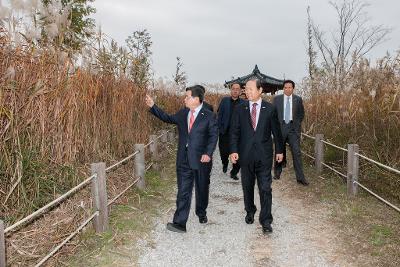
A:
{"x": 127, "y": 188}
{"x": 122, "y": 192}
{"x": 136, "y": 152}
{"x": 377, "y": 196}
{"x": 149, "y": 143}
{"x": 122, "y": 161}
{"x": 379, "y": 164}
{"x": 308, "y": 155}
{"x": 352, "y": 166}
{"x": 53, "y": 203}
{"x": 68, "y": 194}
{"x": 66, "y": 240}
{"x": 334, "y": 170}
{"x": 309, "y": 136}
{"x": 333, "y": 145}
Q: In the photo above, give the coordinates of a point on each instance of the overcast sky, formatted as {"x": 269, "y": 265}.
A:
{"x": 218, "y": 39}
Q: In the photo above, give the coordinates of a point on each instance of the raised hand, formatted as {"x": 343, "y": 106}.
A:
{"x": 149, "y": 101}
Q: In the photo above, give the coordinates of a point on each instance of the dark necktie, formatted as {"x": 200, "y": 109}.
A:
{"x": 254, "y": 115}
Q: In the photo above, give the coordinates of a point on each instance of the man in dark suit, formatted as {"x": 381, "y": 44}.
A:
{"x": 198, "y": 135}
{"x": 253, "y": 123}
{"x": 205, "y": 104}
{"x": 291, "y": 114}
{"x": 208, "y": 106}
{"x": 225, "y": 111}
{"x": 207, "y": 166}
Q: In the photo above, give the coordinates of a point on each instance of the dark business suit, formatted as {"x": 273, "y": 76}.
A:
{"x": 202, "y": 139}
{"x": 207, "y": 166}
{"x": 256, "y": 155}
{"x": 208, "y": 106}
{"x": 291, "y": 133}
{"x": 225, "y": 111}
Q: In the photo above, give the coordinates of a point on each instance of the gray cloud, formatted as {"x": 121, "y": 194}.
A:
{"x": 220, "y": 38}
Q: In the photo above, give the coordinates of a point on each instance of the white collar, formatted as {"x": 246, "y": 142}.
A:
{"x": 196, "y": 110}
{"x": 290, "y": 96}
{"x": 258, "y": 102}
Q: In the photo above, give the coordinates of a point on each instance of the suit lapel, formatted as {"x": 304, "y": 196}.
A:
{"x": 261, "y": 117}
{"x": 186, "y": 120}
{"x": 247, "y": 112}
{"x": 281, "y": 108}
{"x": 294, "y": 106}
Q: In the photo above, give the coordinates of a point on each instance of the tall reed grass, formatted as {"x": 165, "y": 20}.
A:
{"x": 54, "y": 118}
{"x": 367, "y": 114}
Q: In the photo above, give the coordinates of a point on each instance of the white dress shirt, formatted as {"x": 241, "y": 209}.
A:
{"x": 196, "y": 112}
{"x": 258, "y": 109}
{"x": 285, "y": 98}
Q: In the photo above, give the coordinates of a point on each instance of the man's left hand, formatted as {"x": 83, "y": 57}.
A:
{"x": 205, "y": 158}
{"x": 279, "y": 158}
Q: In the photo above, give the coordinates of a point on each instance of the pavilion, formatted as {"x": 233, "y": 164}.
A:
{"x": 268, "y": 83}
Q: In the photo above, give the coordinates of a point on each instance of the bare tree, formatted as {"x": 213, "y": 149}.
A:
{"x": 179, "y": 77}
{"x": 139, "y": 44}
{"x": 353, "y": 39}
{"x": 310, "y": 51}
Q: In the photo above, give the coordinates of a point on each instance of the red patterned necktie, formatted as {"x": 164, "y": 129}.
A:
{"x": 191, "y": 121}
{"x": 254, "y": 115}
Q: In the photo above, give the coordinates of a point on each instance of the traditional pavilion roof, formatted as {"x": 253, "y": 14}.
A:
{"x": 268, "y": 83}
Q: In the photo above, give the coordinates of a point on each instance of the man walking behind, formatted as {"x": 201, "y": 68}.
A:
{"x": 291, "y": 114}
{"x": 225, "y": 111}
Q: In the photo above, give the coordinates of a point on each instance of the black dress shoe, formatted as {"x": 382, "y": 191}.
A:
{"x": 249, "y": 219}
{"x": 224, "y": 168}
{"x": 277, "y": 177}
{"x": 267, "y": 229}
{"x": 234, "y": 176}
{"x": 203, "y": 219}
{"x": 177, "y": 228}
{"x": 303, "y": 182}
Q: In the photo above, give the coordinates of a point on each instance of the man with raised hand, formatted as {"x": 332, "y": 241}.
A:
{"x": 198, "y": 135}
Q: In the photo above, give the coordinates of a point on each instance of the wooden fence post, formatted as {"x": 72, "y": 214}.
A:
{"x": 140, "y": 166}
{"x": 352, "y": 169}
{"x": 171, "y": 136}
{"x": 2, "y": 245}
{"x": 319, "y": 152}
{"x": 154, "y": 152}
{"x": 99, "y": 197}
{"x": 164, "y": 137}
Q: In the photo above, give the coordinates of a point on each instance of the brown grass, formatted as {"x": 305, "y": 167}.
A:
{"x": 56, "y": 119}
{"x": 53, "y": 120}
{"x": 367, "y": 230}
{"x": 367, "y": 114}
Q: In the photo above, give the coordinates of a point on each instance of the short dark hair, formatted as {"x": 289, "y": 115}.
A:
{"x": 197, "y": 91}
{"x": 234, "y": 84}
{"x": 288, "y": 81}
{"x": 258, "y": 83}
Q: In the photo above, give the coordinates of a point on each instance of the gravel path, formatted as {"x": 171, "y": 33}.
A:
{"x": 226, "y": 240}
